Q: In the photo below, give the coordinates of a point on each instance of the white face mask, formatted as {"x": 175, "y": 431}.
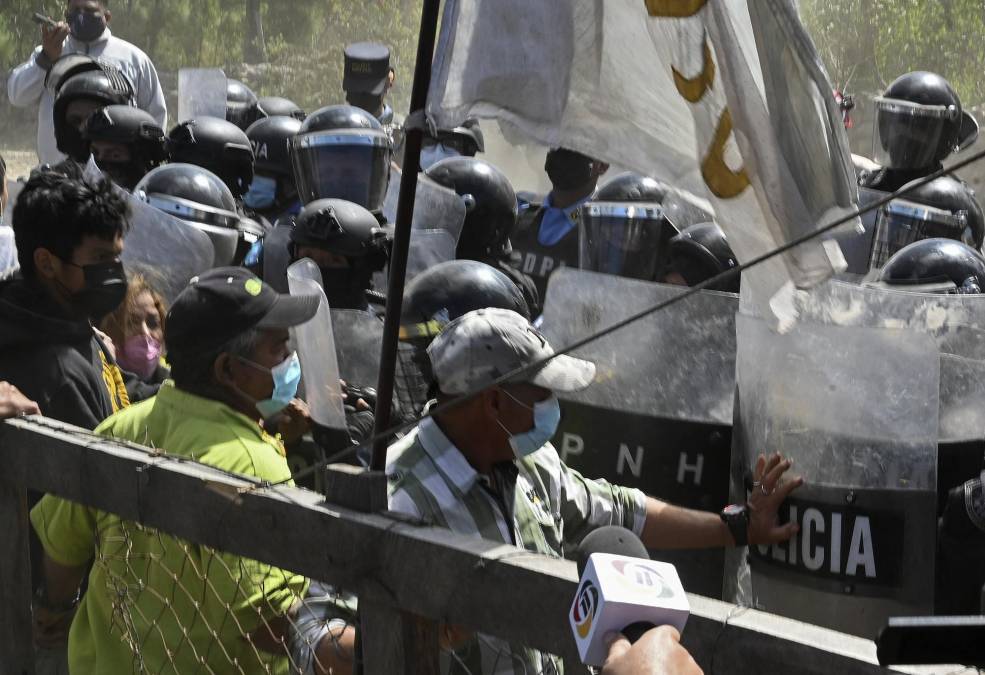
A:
{"x": 433, "y": 154}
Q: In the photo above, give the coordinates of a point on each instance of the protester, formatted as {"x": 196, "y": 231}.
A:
{"x": 486, "y": 467}
{"x": 69, "y": 236}
{"x": 84, "y": 31}
{"x": 13, "y": 403}
{"x": 657, "y": 652}
{"x": 137, "y": 330}
{"x": 546, "y": 235}
{"x": 227, "y": 339}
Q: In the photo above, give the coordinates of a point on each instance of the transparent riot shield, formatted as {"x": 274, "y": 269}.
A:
{"x": 358, "y": 343}
{"x": 427, "y": 249}
{"x": 277, "y": 257}
{"x": 201, "y": 92}
{"x": 659, "y": 414}
{"x": 856, "y": 244}
{"x": 166, "y": 250}
{"x": 856, "y": 409}
{"x": 628, "y": 239}
{"x": 435, "y": 206}
{"x": 8, "y": 253}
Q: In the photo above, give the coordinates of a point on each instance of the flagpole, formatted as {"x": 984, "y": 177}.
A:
{"x": 401, "y": 238}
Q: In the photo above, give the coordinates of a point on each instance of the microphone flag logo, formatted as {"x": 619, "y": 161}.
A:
{"x": 585, "y": 607}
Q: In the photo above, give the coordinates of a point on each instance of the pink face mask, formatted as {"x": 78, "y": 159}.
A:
{"x": 140, "y": 355}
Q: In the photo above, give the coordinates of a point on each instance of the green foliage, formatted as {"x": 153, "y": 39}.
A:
{"x": 872, "y": 42}
{"x": 304, "y": 40}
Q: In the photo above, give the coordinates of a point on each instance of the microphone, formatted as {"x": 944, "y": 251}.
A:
{"x": 621, "y": 591}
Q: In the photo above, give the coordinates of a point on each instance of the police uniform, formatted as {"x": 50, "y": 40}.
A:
{"x": 535, "y": 259}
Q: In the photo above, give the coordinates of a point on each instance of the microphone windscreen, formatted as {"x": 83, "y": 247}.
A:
{"x": 609, "y": 539}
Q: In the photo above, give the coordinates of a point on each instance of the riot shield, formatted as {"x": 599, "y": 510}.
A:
{"x": 358, "y": 343}
{"x": 856, "y": 408}
{"x": 628, "y": 239}
{"x": 902, "y": 222}
{"x": 168, "y": 251}
{"x": 427, "y": 249}
{"x": 658, "y": 415}
{"x": 8, "y": 252}
{"x": 201, "y": 92}
{"x": 856, "y": 244}
{"x": 277, "y": 257}
{"x": 435, "y": 206}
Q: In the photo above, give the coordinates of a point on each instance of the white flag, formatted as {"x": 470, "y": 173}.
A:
{"x": 724, "y": 98}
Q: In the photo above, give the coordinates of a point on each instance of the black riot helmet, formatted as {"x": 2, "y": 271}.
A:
{"x": 94, "y": 86}
{"x": 919, "y": 122}
{"x": 349, "y": 232}
{"x": 698, "y": 253}
{"x": 273, "y": 180}
{"x": 465, "y": 140}
{"x": 216, "y": 145}
{"x": 935, "y": 265}
{"x": 342, "y": 152}
{"x": 276, "y": 106}
{"x": 434, "y": 298}
{"x": 241, "y": 104}
{"x": 198, "y": 197}
{"x": 944, "y": 207}
{"x": 490, "y": 204}
{"x": 132, "y": 128}
{"x": 631, "y": 187}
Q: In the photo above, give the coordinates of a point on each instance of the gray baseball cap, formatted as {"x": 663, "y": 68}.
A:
{"x": 479, "y": 347}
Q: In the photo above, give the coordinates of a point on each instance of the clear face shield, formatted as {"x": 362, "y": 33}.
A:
{"x": 220, "y": 226}
{"x": 624, "y": 239}
{"x": 343, "y": 164}
{"x": 901, "y": 223}
{"x": 909, "y": 135}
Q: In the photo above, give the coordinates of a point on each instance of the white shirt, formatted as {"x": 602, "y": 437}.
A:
{"x": 25, "y": 86}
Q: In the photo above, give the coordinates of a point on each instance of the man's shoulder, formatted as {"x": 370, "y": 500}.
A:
{"x": 403, "y": 458}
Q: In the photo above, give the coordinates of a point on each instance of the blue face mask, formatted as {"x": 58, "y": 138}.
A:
{"x": 433, "y": 154}
{"x": 262, "y": 193}
{"x": 547, "y": 417}
{"x": 286, "y": 377}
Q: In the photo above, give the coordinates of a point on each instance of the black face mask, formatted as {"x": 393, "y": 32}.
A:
{"x": 345, "y": 288}
{"x": 86, "y": 26}
{"x": 124, "y": 174}
{"x": 104, "y": 291}
{"x": 71, "y": 142}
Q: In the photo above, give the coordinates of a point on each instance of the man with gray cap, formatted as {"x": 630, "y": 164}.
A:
{"x": 485, "y": 467}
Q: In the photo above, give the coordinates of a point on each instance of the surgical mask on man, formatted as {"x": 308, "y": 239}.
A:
{"x": 262, "y": 193}
{"x": 286, "y": 377}
{"x": 86, "y": 26}
{"x": 547, "y": 417}
{"x": 433, "y": 154}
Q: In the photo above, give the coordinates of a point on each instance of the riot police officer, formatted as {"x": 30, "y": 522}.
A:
{"x": 241, "y": 104}
{"x": 342, "y": 152}
{"x": 201, "y": 199}
{"x": 273, "y": 193}
{"x": 465, "y": 140}
{"x": 919, "y": 123}
{"x": 277, "y": 106}
{"x": 951, "y": 211}
{"x": 491, "y": 209}
{"x": 546, "y": 235}
{"x": 125, "y": 142}
{"x": 216, "y": 145}
{"x": 342, "y": 238}
{"x": 79, "y": 96}
{"x": 367, "y": 80}
{"x": 432, "y": 300}
{"x": 698, "y": 253}
{"x": 935, "y": 265}
{"x": 631, "y": 187}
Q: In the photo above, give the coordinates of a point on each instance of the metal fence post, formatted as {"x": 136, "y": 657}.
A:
{"x": 16, "y": 635}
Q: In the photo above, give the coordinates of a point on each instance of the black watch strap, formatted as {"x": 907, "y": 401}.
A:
{"x": 736, "y": 518}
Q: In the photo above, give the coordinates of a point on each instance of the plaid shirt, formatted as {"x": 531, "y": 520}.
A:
{"x": 541, "y": 506}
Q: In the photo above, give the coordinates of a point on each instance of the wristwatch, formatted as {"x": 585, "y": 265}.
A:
{"x": 736, "y": 518}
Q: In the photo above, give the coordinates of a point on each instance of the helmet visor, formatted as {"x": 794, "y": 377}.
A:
{"x": 909, "y": 135}
{"x": 342, "y": 165}
{"x": 624, "y": 239}
{"x": 901, "y": 223}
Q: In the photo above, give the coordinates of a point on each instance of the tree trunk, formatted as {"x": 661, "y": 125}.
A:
{"x": 254, "y": 50}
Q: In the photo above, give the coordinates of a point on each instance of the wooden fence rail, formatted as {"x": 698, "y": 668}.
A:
{"x": 408, "y": 576}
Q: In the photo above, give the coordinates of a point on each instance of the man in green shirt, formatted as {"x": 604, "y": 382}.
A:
{"x": 486, "y": 468}
{"x": 155, "y": 602}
